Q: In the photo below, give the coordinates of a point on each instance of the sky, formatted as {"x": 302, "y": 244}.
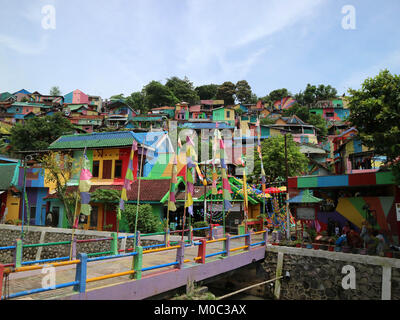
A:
{"x": 107, "y": 47}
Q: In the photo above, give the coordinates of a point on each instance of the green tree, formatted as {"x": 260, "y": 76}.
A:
{"x": 317, "y": 121}
{"x": 182, "y": 89}
{"x": 55, "y": 91}
{"x": 273, "y": 153}
{"x": 298, "y": 110}
{"x": 59, "y": 168}
{"x": 243, "y": 92}
{"x": 226, "y": 92}
{"x": 375, "y": 111}
{"x": 118, "y": 97}
{"x": 147, "y": 221}
{"x": 207, "y": 91}
{"x": 278, "y": 94}
{"x": 157, "y": 95}
{"x": 312, "y": 94}
{"x": 37, "y": 133}
{"x": 136, "y": 102}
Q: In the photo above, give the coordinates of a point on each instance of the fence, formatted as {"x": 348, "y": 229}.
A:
{"x": 83, "y": 259}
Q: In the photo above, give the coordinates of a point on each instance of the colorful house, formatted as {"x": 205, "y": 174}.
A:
{"x": 355, "y": 197}
{"x": 28, "y": 107}
{"x": 351, "y": 156}
{"x": 22, "y": 95}
{"x": 6, "y": 96}
{"x": 36, "y": 97}
{"x": 224, "y": 114}
{"x": 76, "y": 97}
{"x": 108, "y": 154}
{"x": 169, "y": 112}
{"x": 283, "y": 104}
{"x": 334, "y": 110}
{"x": 181, "y": 111}
{"x": 119, "y": 113}
{"x": 9, "y": 193}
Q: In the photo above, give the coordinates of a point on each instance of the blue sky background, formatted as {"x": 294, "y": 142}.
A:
{"x": 110, "y": 47}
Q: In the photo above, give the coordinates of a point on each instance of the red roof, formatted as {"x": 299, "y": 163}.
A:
{"x": 150, "y": 190}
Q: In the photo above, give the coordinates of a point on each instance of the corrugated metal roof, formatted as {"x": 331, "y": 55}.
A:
{"x": 106, "y": 139}
{"x": 6, "y": 174}
{"x": 94, "y": 140}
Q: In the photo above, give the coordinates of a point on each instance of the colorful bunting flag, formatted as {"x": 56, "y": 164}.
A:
{"x": 174, "y": 181}
{"x": 263, "y": 180}
{"x": 226, "y": 187}
{"x": 190, "y": 153}
{"x": 84, "y": 185}
{"x": 130, "y": 176}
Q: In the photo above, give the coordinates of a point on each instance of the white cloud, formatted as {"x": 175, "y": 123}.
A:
{"x": 354, "y": 81}
{"x": 227, "y": 36}
{"x": 24, "y": 47}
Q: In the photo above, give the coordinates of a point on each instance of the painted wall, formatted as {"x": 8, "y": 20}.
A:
{"x": 12, "y": 204}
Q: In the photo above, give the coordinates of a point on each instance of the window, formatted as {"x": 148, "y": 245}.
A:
{"x": 228, "y": 114}
{"x": 94, "y": 216}
{"x": 96, "y": 167}
{"x": 56, "y": 214}
{"x": 329, "y": 114}
{"x": 107, "y": 166}
{"x": 32, "y": 211}
{"x": 118, "y": 169}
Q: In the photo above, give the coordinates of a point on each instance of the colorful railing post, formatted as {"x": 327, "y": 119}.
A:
{"x": 166, "y": 237}
{"x": 248, "y": 239}
{"x": 191, "y": 234}
{"x": 138, "y": 263}
{"x": 265, "y": 238}
{"x": 1, "y": 279}
{"x": 202, "y": 251}
{"x": 18, "y": 253}
{"x": 114, "y": 243}
{"x": 80, "y": 275}
{"x": 73, "y": 248}
{"x": 137, "y": 238}
{"x": 180, "y": 254}
{"x": 227, "y": 245}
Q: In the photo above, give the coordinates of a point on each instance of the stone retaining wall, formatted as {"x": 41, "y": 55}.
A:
{"x": 318, "y": 275}
{"x": 9, "y": 233}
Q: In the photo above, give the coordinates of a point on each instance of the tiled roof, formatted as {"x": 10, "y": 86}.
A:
{"x": 93, "y": 140}
{"x": 106, "y": 140}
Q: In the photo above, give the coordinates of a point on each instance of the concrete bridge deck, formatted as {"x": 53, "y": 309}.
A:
{"x": 103, "y": 289}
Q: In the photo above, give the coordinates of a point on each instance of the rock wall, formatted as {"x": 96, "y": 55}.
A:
{"x": 35, "y": 235}
{"x": 318, "y": 275}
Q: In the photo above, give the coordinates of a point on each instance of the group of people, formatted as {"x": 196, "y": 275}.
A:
{"x": 375, "y": 241}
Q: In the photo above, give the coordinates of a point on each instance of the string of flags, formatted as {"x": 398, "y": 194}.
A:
{"x": 130, "y": 176}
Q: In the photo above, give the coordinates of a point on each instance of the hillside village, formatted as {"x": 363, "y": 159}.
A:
{"x": 337, "y": 160}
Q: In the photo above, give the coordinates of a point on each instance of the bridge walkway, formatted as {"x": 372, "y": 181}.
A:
{"x": 33, "y": 279}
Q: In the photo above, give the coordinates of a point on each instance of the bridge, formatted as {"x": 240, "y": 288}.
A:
{"x": 144, "y": 273}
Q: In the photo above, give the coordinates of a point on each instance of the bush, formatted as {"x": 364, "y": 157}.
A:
{"x": 147, "y": 222}
{"x": 200, "y": 224}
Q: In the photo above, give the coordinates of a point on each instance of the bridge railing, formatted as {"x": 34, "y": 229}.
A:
{"x": 18, "y": 246}
{"x": 226, "y": 251}
{"x": 83, "y": 259}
